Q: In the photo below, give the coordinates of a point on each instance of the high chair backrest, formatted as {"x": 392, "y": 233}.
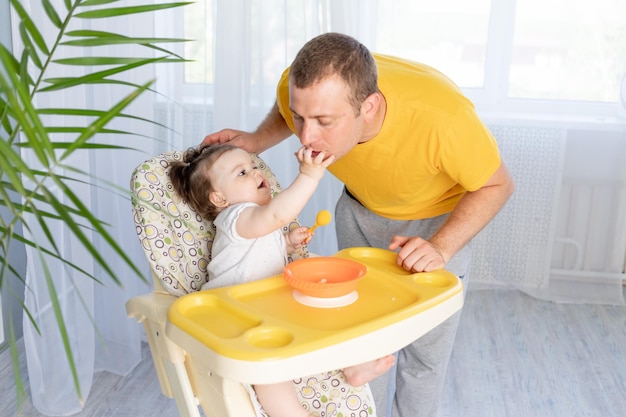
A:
{"x": 176, "y": 240}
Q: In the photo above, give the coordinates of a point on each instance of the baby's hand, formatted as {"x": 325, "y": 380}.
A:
{"x": 298, "y": 238}
{"x": 313, "y": 163}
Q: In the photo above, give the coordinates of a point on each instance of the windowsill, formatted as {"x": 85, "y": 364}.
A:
{"x": 574, "y": 122}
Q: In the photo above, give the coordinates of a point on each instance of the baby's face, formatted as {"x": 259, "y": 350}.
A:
{"x": 238, "y": 180}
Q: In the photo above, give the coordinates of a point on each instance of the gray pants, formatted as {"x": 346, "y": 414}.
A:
{"x": 413, "y": 387}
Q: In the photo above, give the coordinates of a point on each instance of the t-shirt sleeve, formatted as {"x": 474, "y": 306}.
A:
{"x": 469, "y": 153}
{"x": 282, "y": 99}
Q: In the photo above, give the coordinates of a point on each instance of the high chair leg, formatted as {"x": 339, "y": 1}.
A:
{"x": 186, "y": 401}
{"x": 219, "y": 397}
{"x": 169, "y": 359}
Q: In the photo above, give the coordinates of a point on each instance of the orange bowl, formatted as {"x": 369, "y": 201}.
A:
{"x": 324, "y": 277}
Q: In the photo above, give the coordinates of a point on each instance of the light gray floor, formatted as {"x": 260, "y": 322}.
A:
{"x": 137, "y": 395}
{"x": 515, "y": 356}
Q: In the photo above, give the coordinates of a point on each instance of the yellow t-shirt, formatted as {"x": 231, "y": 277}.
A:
{"x": 431, "y": 149}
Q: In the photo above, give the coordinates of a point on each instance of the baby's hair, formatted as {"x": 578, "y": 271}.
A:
{"x": 190, "y": 177}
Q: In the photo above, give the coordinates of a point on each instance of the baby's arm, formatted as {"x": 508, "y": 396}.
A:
{"x": 286, "y": 205}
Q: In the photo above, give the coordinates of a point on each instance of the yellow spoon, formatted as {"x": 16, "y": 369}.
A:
{"x": 322, "y": 219}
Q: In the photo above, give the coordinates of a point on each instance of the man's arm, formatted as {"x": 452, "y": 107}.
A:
{"x": 272, "y": 130}
{"x": 472, "y": 213}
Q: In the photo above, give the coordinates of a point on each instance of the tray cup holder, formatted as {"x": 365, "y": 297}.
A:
{"x": 269, "y": 337}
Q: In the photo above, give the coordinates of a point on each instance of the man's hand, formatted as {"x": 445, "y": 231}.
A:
{"x": 272, "y": 130}
{"x": 241, "y": 139}
{"x": 417, "y": 254}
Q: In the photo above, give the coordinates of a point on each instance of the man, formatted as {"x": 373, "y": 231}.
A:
{"x": 423, "y": 176}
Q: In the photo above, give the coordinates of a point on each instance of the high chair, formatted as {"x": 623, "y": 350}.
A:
{"x": 177, "y": 243}
{"x": 209, "y": 346}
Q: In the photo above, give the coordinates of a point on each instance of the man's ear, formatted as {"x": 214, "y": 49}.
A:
{"x": 217, "y": 199}
{"x": 370, "y": 105}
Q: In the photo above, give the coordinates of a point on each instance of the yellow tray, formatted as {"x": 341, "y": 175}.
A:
{"x": 259, "y": 333}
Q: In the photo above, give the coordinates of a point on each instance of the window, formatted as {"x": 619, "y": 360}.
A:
{"x": 554, "y": 56}
{"x": 568, "y": 50}
{"x": 450, "y": 35}
{"x": 507, "y": 50}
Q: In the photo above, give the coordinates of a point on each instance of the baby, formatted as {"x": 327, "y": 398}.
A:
{"x": 224, "y": 186}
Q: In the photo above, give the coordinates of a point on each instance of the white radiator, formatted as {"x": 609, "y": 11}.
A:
{"x": 516, "y": 247}
{"x": 591, "y": 230}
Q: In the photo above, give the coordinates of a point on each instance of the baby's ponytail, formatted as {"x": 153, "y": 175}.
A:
{"x": 190, "y": 177}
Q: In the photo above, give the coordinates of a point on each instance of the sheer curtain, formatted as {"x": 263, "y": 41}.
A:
{"x": 100, "y": 335}
{"x": 251, "y": 43}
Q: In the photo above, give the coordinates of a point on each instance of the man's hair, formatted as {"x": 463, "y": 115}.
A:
{"x": 335, "y": 53}
{"x": 190, "y": 177}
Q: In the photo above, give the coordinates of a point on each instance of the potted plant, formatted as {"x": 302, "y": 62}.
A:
{"x": 34, "y": 196}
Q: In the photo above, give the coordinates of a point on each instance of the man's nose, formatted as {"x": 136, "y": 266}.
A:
{"x": 307, "y": 135}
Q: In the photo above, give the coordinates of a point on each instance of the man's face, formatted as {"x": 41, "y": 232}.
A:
{"x": 324, "y": 118}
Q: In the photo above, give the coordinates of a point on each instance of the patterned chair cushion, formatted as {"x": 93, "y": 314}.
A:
{"x": 175, "y": 239}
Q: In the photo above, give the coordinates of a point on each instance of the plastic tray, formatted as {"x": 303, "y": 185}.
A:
{"x": 259, "y": 332}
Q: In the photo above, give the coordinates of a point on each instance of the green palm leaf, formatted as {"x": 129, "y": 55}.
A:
{"x": 18, "y": 97}
{"x": 123, "y": 11}
{"x": 30, "y": 26}
{"x": 62, "y": 83}
{"x": 100, "y": 38}
{"x": 52, "y": 13}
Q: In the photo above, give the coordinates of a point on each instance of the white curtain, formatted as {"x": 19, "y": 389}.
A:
{"x": 253, "y": 42}
{"x": 100, "y": 335}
